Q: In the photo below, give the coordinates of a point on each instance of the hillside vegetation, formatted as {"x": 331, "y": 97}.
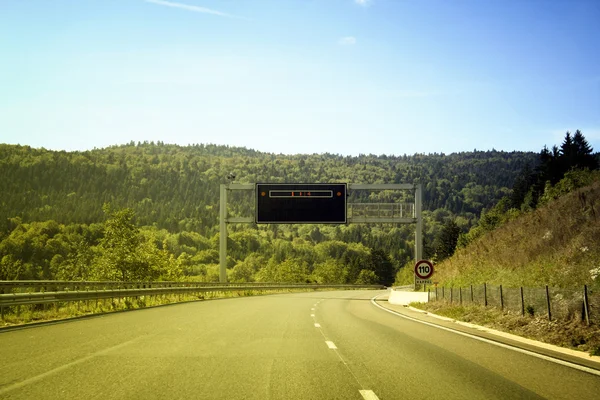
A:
{"x": 150, "y": 211}
{"x": 556, "y": 244}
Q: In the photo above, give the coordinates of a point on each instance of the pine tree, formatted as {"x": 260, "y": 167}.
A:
{"x": 522, "y": 184}
{"x": 447, "y": 240}
{"x": 382, "y": 266}
{"x": 568, "y": 154}
{"x": 583, "y": 152}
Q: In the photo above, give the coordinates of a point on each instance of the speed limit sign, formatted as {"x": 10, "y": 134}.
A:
{"x": 423, "y": 269}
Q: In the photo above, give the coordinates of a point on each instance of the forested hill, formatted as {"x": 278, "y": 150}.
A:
{"x": 176, "y": 188}
{"x": 161, "y": 215}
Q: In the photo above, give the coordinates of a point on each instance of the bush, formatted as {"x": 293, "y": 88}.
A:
{"x": 530, "y": 310}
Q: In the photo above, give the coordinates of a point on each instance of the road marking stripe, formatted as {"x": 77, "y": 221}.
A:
{"x": 312, "y": 309}
{"x": 63, "y": 367}
{"x": 506, "y": 346}
{"x": 368, "y": 395}
{"x": 312, "y": 315}
{"x": 330, "y": 344}
{"x": 317, "y": 325}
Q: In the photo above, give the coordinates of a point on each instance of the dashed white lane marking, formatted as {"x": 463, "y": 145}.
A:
{"x": 330, "y": 344}
{"x": 368, "y": 395}
{"x": 312, "y": 309}
{"x": 317, "y": 325}
{"x": 312, "y": 315}
{"x": 505, "y": 346}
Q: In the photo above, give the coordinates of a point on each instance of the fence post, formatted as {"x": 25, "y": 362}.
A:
{"x": 501, "y": 299}
{"x": 548, "y": 304}
{"x": 436, "y": 294}
{"x": 451, "y": 293}
{"x": 471, "y": 293}
{"x": 460, "y": 295}
{"x": 485, "y": 294}
{"x": 2, "y": 313}
{"x": 522, "y": 303}
{"x": 428, "y": 294}
{"x": 586, "y": 305}
{"x": 443, "y": 293}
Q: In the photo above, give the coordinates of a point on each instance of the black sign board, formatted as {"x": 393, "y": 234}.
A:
{"x": 300, "y": 203}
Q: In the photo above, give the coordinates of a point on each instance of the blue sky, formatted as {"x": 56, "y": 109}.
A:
{"x": 300, "y": 76}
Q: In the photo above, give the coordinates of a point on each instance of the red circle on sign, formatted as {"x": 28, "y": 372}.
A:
{"x": 423, "y": 269}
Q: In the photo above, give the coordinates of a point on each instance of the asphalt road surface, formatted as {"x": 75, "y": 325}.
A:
{"x": 320, "y": 345}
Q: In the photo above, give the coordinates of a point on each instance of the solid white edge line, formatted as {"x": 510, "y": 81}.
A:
{"x": 368, "y": 395}
{"x": 506, "y": 346}
{"x": 317, "y": 325}
{"x": 330, "y": 344}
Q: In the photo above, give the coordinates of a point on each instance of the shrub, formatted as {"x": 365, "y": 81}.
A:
{"x": 530, "y": 310}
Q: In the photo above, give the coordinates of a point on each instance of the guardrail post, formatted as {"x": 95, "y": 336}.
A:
{"x": 548, "y": 304}
{"x": 451, "y": 292}
{"x": 436, "y": 294}
{"x": 586, "y": 305}
{"x": 443, "y": 293}
{"x": 460, "y": 295}
{"x": 428, "y": 294}
{"x": 2, "y": 313}
{"x": 501, "y": 300}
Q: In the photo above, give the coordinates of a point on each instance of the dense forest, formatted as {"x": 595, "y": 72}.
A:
{"x": 545, "y": 232}
{"x": 555, "y": 173}
{"x": 150, "y": 211}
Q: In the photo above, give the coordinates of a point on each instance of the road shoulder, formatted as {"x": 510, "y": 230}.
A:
{"x": 518, "y": 342}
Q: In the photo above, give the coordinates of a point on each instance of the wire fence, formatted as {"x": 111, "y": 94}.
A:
{"x": 554, "y": 303}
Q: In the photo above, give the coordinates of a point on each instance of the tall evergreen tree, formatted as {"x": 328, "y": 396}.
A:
{"x": 522, "y": 185}
{"x": 447, "y": 240}
{"x": 382, "y": 266}
{"x": 584, "y": 157}
{"x": 568, "y": 155}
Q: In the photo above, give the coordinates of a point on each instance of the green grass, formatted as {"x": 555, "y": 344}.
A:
{"x": 557, "y": 245}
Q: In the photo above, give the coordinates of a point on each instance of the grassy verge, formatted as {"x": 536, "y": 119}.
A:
{"x": 53, "y": 312}
{"x": 571, "y": 334}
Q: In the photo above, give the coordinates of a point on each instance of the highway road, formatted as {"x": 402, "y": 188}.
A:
{"x": 319, "y": 345}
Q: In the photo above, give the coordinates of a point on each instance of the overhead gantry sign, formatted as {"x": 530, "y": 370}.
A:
{"x": 318, "y": 203}
{"x": 294, "y": 203}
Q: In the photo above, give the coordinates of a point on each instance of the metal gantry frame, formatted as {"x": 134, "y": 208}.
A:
{"x": 417, "y": 218}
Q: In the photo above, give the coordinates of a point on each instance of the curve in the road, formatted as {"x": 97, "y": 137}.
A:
{"x": 269, "y": 348}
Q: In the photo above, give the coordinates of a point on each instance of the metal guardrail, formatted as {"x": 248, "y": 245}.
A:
{"x": 18, "y": 299}
{"x": 7, "y": 287}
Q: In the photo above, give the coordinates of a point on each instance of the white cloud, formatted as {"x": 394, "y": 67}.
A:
{"x": 347, "y": 41}
{"x": 363, "y": 3}
{"x": 188, "y": 7}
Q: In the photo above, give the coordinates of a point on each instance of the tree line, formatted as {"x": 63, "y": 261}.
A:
{"x": 63, "y": 214}
{"x": 555, "y": 172}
